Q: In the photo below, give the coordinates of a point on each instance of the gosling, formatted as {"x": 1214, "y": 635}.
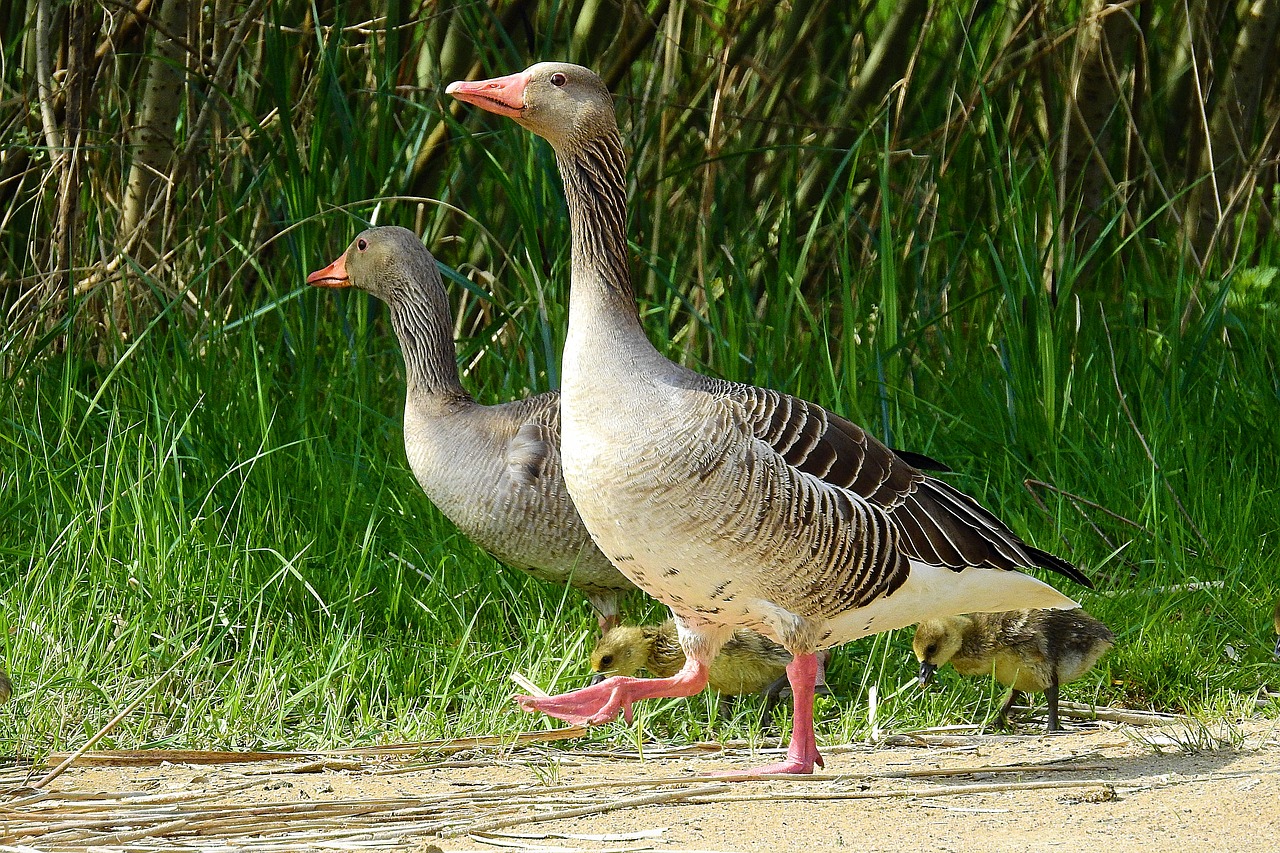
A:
{"x": 1028, "y": 650}
{"x": 748, "y": 662}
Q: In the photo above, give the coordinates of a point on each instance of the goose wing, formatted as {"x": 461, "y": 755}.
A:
{"x": 934, "y": 522}
{"x": 533, "y": 451}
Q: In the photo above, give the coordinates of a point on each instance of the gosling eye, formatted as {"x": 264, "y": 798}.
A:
{"x": 931, "y": 651}
{"x": 607, "y": 660}
{"x": 558, "y": 79}
{"x": 362, "y": 244}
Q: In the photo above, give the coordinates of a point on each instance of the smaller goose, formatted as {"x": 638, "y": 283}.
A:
{"x": 1028, "y": 650}
{"x": 747, "y": 663}
{"x": 494, "y": 471}
{"x": 6, "y": 687}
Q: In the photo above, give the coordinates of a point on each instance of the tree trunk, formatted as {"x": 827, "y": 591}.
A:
{"x": 150, "y": 175}
{"x": 1227, "y": 163}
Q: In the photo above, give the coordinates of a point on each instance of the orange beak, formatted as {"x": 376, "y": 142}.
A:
{"x": 334, "y": 275}
{"x": 501, "y": 95}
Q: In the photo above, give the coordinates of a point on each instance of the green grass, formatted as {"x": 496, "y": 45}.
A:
{"x": 233, "y": 480}
{"x": 245, "y": 493}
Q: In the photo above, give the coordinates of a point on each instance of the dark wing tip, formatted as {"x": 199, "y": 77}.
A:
{"x": 919, "y": 460}
{"x": 1045, "y": 560}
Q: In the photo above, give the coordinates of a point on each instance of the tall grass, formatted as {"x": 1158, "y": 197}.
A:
{"x": 234, "y": 482}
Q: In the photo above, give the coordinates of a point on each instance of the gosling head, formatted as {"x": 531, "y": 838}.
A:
{"x": 624, "y": 650}
{"x": 563, "y": 103}
{"x": 385, "y": 261}
{"x": 936, "y": 642}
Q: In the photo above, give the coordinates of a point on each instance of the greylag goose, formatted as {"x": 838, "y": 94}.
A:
{"x": 747, "y": 662}
{"x": 1027, "y": 650}
{"x": 738, "y": 507}
{"x": 494, "y": 471}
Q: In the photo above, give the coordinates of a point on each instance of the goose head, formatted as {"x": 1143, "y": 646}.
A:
{"x": 385, "y": 261}
{"x": 622, "y": 651}
{"x": 566, "y": 104}
{"x": 936, "y": 642}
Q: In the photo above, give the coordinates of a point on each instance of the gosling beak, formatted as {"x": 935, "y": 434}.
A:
{"x": 334, "y": 275}
{"x": 501, "y": 95}
{"x": 597, "y": 678}
{"x": 1276, "y": 653}
{"x": 926, "y": 672}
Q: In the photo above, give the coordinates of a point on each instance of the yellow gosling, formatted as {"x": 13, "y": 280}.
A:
{"x": 747, "y": 663}
{"x": 1031, "y": 651}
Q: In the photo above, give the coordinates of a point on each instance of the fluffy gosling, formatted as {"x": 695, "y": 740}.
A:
{"x": 748, "y": 662}
{"x": 1028, "y": 650}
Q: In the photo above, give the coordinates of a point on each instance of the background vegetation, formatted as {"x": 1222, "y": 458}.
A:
{"x": 1034, "y": 240}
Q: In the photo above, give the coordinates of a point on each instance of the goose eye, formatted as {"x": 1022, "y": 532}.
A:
{"x": 607, "y": 660}
{"x": 558, "y": 79}
{"x": 362, "y": 244}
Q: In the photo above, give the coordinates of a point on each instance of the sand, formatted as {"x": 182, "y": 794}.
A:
{"x": 1098, "y": 786}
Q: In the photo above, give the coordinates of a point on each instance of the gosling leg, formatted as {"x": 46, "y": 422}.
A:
{"x": 1002, "y": 719}
{"x": 1051, "y": 697}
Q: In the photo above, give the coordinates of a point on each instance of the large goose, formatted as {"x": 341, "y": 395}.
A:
{"x": 494, "y": 471}
{"x": 1027, "y": 650}
{"x": 739, "y": 507}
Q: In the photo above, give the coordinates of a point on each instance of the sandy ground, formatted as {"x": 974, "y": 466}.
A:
{"x": 1099, "y": 786}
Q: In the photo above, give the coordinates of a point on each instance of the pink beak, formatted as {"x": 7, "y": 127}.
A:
{"x": 334, "y": 275}
{"x": 501, "y": 95}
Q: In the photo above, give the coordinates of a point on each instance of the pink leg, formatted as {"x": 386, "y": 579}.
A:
{"x": 608, "y": 622}
{"x": 820, "y": 680}
{"x": 802, "y": 754}
{"x": 606, "y": 607}
{"x": 602, "y": 702}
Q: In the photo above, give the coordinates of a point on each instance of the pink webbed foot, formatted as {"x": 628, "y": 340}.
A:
{"x": 802, "y": 754}
{"x": 795, "y": 764}
{"x": 602, "y": 702}
{"x": 588, "y": 706}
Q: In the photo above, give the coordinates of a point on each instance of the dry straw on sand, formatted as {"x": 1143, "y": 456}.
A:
{"x": 269, "y": 802}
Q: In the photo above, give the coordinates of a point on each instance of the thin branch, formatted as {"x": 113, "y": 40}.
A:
{"x": 44, "y": 78}
{"x": 700, "y": 792}
{"x": 114, "y": 721}
{"x": 1031, "y": 483}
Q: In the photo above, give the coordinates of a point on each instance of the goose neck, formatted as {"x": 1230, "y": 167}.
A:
{"x": 595, "y": 192}
{"x": 422, "y": 326}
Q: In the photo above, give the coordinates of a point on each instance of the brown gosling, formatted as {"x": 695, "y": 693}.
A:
{"x": 6, "y": 687}
{"x": 747, "y": 663}
{"x": 1028, "y": 650}
{"x": 1276, "y": 618}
